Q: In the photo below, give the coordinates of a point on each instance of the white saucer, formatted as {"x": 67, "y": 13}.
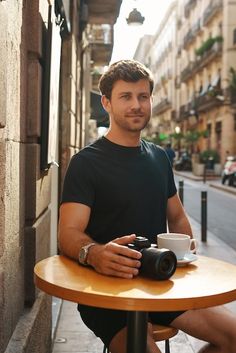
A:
{"x": 188, "y": 258}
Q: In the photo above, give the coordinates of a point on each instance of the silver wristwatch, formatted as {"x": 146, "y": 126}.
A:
{"x": 83, "y": 254}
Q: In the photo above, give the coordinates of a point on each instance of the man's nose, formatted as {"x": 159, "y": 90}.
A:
{"x": 135, "y": 103}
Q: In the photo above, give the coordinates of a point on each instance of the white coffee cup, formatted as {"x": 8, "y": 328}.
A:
{"x": 180, "y": 244}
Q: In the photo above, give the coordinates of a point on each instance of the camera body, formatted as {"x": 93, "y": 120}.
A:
{"x": 156, "y": 263}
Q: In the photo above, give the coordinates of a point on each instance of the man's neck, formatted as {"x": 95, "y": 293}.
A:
{"x": 127, "y": 140}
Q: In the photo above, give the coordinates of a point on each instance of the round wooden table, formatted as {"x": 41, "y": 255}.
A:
{"x": 204, "y": 283}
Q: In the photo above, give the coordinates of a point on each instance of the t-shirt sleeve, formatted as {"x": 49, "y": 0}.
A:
{"x": 78, "y": 184}
{"x": 171, "y": 182}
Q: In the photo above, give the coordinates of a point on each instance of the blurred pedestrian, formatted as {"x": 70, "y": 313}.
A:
{"x": 170, "y": 153}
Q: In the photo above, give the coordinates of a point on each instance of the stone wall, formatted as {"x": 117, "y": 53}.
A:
{"x": 25, "y": 316}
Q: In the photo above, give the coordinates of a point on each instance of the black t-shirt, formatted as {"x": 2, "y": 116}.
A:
{"x": 127, "y": 188}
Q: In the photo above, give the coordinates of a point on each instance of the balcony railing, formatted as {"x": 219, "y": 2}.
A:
{"x": 100, "y": 34}
{"x": 189, "y": 5}
{"x": 211, "y": 10}
{"x": 188, "y": 38}
{"x": 161, "y": 107}
{"x": 201, "y": 62}
{"x": 187, "y": 73}
{"x": 207, "y": 101}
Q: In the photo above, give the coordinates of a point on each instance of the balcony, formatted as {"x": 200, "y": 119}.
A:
{"x": 201, "y": 62}
{"x": 187, "y": 73}
{"x": 188, "y": 39}
{"x": 189, "y": 5}
{"x": 183, "y": 112}
{"x": 206, "y": 102}
{"x": 161, "y": 107}
{"x": 211, "y": 10}
{"x": 101, "y": 43}
{"x": 208, "y": 56}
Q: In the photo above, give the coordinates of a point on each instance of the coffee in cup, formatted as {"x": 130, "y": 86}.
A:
{"x": 180, "y": 244}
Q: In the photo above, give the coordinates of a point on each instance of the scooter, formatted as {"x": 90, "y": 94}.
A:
{"x": 183, "y": 163}
{"x": 229, "y": 171}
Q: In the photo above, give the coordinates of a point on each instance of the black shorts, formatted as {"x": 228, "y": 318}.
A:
{"x": 106, "y": 323}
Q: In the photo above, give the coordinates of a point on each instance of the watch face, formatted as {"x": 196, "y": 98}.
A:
{"x": 82, "y": 255}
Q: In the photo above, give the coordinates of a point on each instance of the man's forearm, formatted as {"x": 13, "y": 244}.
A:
{"x": 71, "y": 240}
{"x": 180, "y": 225}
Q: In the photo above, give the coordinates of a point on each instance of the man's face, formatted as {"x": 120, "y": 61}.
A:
{"x": 130, "y": 105}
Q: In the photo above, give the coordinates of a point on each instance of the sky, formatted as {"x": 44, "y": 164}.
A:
{"x": 126, "y": 37}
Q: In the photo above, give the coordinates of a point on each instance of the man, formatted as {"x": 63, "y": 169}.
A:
{"x": 170, "y": 152}
{"x": 119, "y": 187}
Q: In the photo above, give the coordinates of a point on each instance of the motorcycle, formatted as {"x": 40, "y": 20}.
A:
{"x": 229, "y": 171}
{"x": 184, "y": 163}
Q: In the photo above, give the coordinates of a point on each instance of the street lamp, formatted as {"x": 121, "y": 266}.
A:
{"x": 177, "y": 131}
{"x": 135, "y": 18}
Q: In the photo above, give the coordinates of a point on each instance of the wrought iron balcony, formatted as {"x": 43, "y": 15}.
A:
{"x": 161, "y": 107}
{"x": 201, "y": 62}
{"x": 189, "y": 5}
{"x": 211, "y": 10}
{"x": 208, "y": 101}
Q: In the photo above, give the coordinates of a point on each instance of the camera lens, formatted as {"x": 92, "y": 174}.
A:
{"x": 158, "y": 263}
{"x": 167, "y": 264}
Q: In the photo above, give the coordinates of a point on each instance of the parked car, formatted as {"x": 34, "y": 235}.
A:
{"x": 229, "y": 171}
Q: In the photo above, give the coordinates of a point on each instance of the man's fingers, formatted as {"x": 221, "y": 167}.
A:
{"x": 117, "y": 249}
{"x": 126, "y": 239}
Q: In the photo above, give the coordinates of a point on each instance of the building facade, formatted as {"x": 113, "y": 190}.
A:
{"x": 47, "y": 59}
{"x": 193, "y": 56}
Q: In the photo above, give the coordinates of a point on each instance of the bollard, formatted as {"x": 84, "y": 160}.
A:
{"x": 204, "y": 215}
{"x": 181, "y": 191}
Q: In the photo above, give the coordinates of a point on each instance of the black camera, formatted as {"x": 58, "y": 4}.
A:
{"x": 157, "y": 263}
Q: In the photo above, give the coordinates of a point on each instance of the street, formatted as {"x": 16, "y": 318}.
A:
{"x": 221, "y": 207}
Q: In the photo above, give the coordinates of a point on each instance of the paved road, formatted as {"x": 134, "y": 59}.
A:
{"x": 221, "y": 209}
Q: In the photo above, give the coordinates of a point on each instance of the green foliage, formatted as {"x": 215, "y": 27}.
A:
{"x": 192, "y": 136}
{"x": 208, "y": 44}
{"x": 209, "y": 154}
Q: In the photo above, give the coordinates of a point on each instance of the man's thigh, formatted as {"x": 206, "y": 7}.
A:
{"x": 209, "y": 324}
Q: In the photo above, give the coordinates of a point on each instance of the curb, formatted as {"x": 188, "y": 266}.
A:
{"x": 229, "y": 189}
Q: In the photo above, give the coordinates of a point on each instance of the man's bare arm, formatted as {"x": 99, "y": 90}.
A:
{"x": 177, "y": 219}
{"x": 111, "y": 259}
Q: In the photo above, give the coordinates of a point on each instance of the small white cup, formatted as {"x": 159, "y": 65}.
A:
{"x": 180, "y": 244}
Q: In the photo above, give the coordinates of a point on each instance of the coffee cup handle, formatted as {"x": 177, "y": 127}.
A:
{"x": 193, "y": 241}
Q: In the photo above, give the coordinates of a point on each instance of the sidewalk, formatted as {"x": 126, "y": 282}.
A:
{"x": 72, "y": 336}
{"x": 213, "y": 181}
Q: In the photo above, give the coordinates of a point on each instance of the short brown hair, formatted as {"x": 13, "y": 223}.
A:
{"x": 126, "y": 70}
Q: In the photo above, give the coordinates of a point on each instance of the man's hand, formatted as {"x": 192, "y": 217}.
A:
{"x": 115, "y": 258}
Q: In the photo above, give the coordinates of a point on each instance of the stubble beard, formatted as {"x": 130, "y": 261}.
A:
{"x": 132, "y": 124}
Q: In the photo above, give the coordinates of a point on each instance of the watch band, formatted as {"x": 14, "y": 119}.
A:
{"x": 83, "y": 254}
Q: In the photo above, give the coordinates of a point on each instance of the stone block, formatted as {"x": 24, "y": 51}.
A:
{"x": 2, "y": 195}
{"x": 38, "y": 184}
{"x": 3, "y": 66}
{"x": 35, "y": 23}
{"x": 1, "y": 307}
{"x": 37, "y": 247}
{"x": 33, "y": 331}
{"x": 34, "y": 99}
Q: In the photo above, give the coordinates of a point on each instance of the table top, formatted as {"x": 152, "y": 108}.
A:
{"x": 204, "y": 283}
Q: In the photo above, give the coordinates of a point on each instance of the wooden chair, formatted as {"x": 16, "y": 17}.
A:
{"x": 160, "y": 333}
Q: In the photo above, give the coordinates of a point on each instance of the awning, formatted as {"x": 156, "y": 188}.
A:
{"x": 98, "y": 113}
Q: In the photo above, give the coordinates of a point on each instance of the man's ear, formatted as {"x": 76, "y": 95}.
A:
{"x": 105, "y": 103}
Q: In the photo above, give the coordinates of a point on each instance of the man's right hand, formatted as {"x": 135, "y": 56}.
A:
{"x": 115, "y": 258}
